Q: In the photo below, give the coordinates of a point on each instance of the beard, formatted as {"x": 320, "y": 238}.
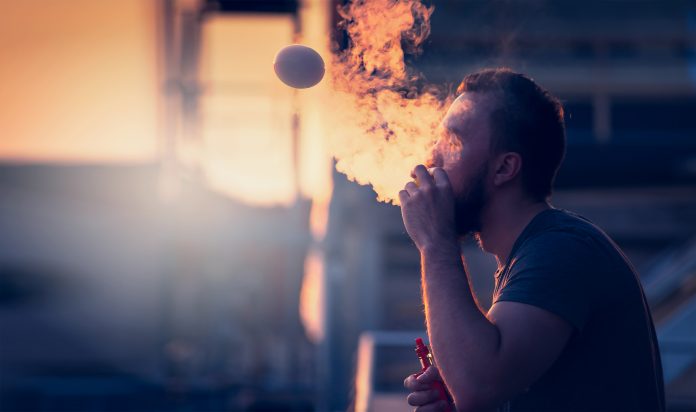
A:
{"x": 469, "y": 204}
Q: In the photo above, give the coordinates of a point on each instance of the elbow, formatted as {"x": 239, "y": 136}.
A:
{"x": 473, "y": 404}
{"x": 476, "y": 398}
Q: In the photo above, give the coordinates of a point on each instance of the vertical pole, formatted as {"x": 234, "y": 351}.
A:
{"x": 297, "y": 33}
{"x": 168, "y": 40}
{"x": 169, "y": 93}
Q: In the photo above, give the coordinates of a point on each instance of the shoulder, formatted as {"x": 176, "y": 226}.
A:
{"x": 559, "y": 237}
{"x": 554, "y": 248}
{"x": 556, "y": 267}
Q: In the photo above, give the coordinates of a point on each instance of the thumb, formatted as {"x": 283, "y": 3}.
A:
{"x": 430, "y": 375}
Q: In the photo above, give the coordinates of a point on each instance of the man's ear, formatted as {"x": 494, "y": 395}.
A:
{"x": 507, "y": 167}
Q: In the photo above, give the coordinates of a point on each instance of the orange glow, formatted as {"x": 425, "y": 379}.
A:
{"x": 364, "y": 372}
{"x": 246, "y": 112}
{"x": 312, "y": 302}
{"x": 319, "y": 217}
{"x": 315, "y": 174}
{"x": 78, "y": 80}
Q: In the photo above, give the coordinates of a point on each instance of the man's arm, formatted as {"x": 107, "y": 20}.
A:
{"x": 484, "y": 359}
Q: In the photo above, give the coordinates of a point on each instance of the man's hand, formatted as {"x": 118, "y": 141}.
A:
{"x": 427, "y": 208}
{"x": 423, "y": 396}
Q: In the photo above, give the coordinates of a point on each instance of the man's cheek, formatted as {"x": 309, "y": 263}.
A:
{"x": 452, "y": 157}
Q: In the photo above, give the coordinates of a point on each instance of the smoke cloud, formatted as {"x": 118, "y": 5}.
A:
{"x": 384, "y": 115}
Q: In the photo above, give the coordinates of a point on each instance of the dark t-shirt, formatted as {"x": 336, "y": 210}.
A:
{"x": 564, "y": 264}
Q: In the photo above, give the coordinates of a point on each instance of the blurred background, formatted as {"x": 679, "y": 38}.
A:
{"x": 173, "y": 235}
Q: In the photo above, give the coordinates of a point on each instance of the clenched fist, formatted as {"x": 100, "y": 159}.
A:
{"x": 427, "y": 208}
{"x": 423, "y": 396}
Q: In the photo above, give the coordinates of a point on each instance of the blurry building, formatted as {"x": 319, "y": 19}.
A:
{"x": 167, "y": 276}
{"x": 117, "y": 296}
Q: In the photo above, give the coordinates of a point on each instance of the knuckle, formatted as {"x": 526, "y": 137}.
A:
{"x": 417, "y": 399}
{"x": 407, "y": 382}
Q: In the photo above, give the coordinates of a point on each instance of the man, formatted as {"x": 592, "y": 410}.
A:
{"x": 569, "y": 328}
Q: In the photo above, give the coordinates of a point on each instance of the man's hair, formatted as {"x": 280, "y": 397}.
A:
{"x": 525, "y": 119}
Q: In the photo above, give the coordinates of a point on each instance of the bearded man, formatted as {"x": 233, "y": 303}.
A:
{"x": 569, "y": 328}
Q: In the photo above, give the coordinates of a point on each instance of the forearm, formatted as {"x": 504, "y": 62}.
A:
{"x": 464, "y": 341}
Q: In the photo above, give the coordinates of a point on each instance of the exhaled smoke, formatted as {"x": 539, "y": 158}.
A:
{"x": 384, "y": 115}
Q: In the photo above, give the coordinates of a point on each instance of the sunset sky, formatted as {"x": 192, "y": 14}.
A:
{"x": 82, "y": 82}
{"x": 78, "y": 80}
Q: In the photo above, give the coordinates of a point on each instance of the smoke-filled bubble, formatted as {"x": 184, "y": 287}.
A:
{"x": 384, "y": 115}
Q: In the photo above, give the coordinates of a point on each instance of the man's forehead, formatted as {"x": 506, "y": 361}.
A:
{"x": 458, "y": 112}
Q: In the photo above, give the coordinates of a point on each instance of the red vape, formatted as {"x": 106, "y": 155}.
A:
{"x": 426, "y": 359}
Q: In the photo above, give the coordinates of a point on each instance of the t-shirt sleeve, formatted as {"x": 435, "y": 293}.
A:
{"x": 553, "y": 271}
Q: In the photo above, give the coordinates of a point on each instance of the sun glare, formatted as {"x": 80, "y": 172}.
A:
{"x": 78, "y": 80}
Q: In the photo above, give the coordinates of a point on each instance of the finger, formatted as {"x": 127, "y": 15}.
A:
{"x": 411, "y": 188}
{"x": 413, "y": 385}
{"x": 403, "y": 196}
{"x": 438, "y": 406}
{"x": 440, "y": 177}
{"x": 423, "y": 178}
{"x": 432, "y": 374}
{"x": 419, "y": 398}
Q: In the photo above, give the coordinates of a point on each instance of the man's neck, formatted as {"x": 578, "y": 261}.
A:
{"x": 502, "y": 223}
